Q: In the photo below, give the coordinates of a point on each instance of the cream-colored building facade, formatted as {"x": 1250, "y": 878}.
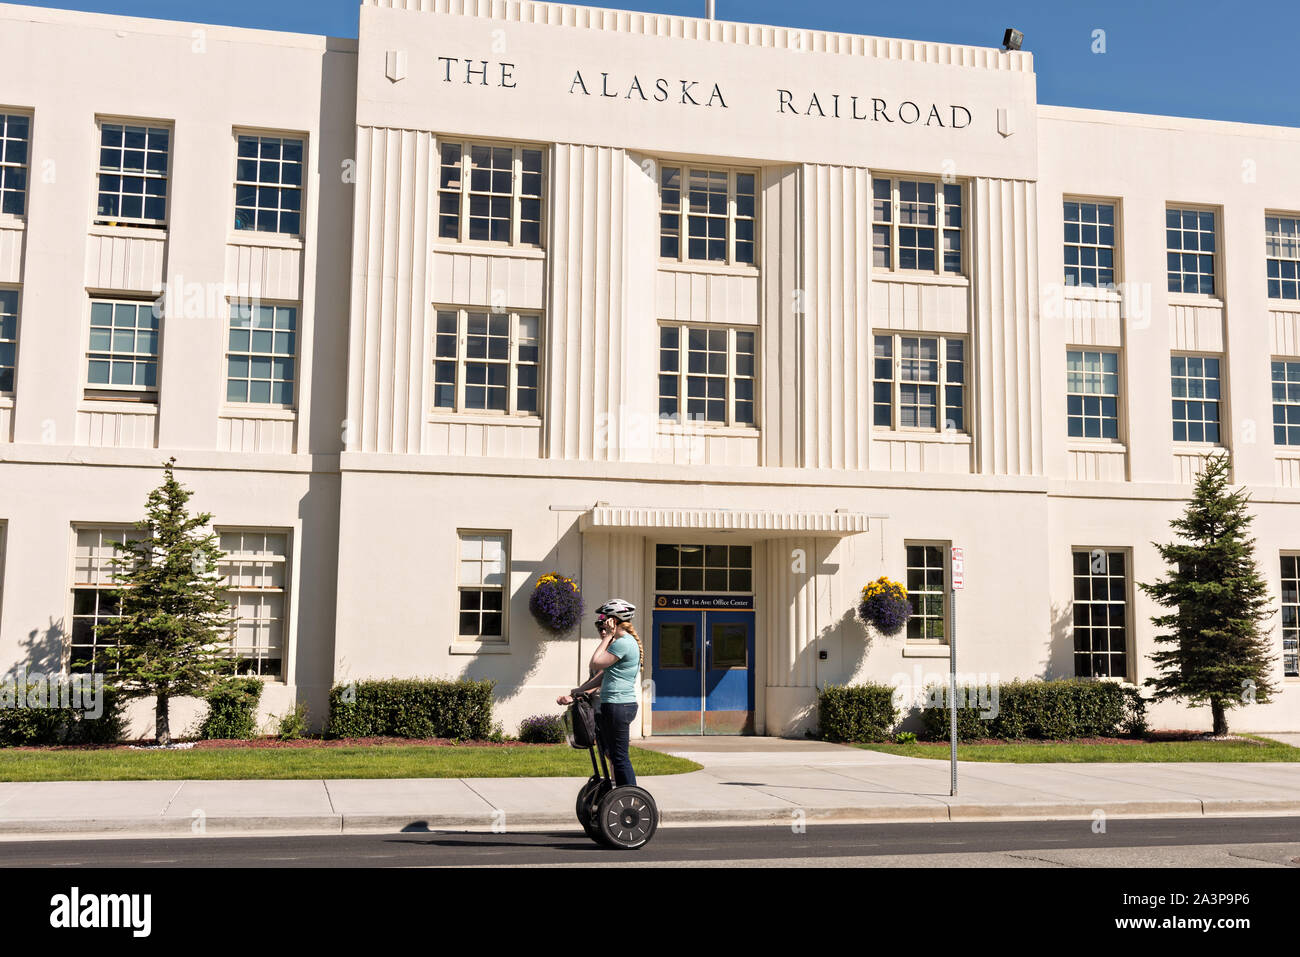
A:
{"x": 723, "y": 319}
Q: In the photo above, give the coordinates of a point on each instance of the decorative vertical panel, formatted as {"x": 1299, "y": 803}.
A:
{"x": 1092, "y": 321}
{"x": 469, "y": 278}
{"x": 264, "y": 272}
{"x": 6, "y": 423}
{"x": 11, "y": 251}
{"x": 790, "y": 607}
{"x": 1196, "y": 328}
{"x": 124, "y": 262}
{"x": 120, "y": 430}
{"x": 256, "y": 434}
{"x": 919, "y": 307}
{"x": 1286, "y": 471}
{"x": 1285, "y": 329}
{"x": 1008, "y": 376}
{"x": 781, "y": 381}
{"x": 388, "y": 346}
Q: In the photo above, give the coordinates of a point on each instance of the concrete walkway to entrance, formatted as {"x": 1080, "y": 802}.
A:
{"x": 743, "y": 781}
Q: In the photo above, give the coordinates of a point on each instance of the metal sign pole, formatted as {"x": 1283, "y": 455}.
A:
{"x": 952, "y": 689}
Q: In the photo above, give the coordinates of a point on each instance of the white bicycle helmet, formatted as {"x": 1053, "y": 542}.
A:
{"x": 616, "y": 608}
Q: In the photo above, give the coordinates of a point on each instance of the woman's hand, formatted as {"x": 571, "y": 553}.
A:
{"x": 564, "y": 699}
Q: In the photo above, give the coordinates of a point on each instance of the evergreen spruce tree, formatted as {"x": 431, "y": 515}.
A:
{"x": 171, "y": 638}
{"x": 1213, "y": 648}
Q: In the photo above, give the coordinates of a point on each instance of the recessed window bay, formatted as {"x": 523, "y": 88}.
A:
{"x": 648, "y": 89}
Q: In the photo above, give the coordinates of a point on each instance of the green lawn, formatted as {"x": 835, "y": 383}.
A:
{"x": 388, "y": 761}
{"x": 1043, "y": 752}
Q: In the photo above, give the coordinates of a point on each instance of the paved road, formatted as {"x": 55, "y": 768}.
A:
{"x": 1235, "y": 842}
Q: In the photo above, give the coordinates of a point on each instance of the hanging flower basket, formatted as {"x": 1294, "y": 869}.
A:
{"x": 884, "y": 606}
{"x": 556, "y": 603}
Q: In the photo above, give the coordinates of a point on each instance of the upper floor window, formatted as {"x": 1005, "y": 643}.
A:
{"x": 486, "y": 361}
{"x": 490, "y": 193}
{"x": 133, "y": 163}
{"x": 927, "y": 591}
{"x": 1286, "y": 401}
{"x": 8, "y": 337}
{"x": 717, "y": 208}
{"x": 1291, "y": 616}
{"x": 1092, "y": 394}
{"x": 254, "y": 565}
{"x": 919, "y": 382}
{"x": 268, "y": 184}
{"x": 709, "y": 371}
{"x": 1100, "y": 613}
{"x": 261, "y": 348}
{"x": 1190, "y": 249}
{"x": 482, "y": 577}
{"x": 1089, "y": 244}
{"x": 916, "y": 226}
{"x": 1195, "y": 385}
{"x": 122, "y": 362}
{"x": 15, "y": 138}
{"x": 1282, "y": 247}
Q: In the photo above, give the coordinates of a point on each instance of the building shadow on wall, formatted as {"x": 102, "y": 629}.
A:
{"x": 44, "y": 651}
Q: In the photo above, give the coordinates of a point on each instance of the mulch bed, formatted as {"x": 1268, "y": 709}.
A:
{"x": 218, "y": 744}
{"x": 1151, "y": 737}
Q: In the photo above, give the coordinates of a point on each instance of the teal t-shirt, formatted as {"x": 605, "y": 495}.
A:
{"x": 618, "y": 686}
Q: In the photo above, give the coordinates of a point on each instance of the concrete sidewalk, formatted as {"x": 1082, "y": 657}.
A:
{"x": 743, "y": 781}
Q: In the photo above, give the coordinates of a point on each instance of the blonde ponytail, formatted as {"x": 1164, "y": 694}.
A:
{"x": 627, "y": 627}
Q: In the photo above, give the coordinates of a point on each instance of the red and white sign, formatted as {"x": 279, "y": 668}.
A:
{"x": 958, "y": 568}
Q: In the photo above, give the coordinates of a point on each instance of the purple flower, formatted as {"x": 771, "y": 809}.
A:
{"x": 556, "y": 603}
{"x": 886, "y": 613}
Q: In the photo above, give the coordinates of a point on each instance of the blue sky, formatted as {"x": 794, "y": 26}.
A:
{"x": 1200, "y": 58}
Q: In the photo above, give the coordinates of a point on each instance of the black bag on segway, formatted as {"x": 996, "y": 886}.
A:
{"x": 580, "y": 724}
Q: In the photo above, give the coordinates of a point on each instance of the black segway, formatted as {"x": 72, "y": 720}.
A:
{"x": 623, "y": 817}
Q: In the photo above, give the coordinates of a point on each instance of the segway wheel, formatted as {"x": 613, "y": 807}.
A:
{"x": 627, "y": 817}
{"x": 584, "y": 809}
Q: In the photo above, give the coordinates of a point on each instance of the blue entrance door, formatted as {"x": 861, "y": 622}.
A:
{"x": 703, "y": 672}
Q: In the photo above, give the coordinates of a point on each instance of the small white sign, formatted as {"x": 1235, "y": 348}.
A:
{"x": 958, "y": 568}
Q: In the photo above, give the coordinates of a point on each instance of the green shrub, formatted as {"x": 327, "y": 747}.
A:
{"x": 232, "y": 709}
{"x": 863, "y": 712}
{"x": 412, "y": 708}
{"x": 108, "y": 728}
{"x": 47, "y": 723}
{"x": 292, "y": 724}
{"x": 905, "y": 737}
{"x": 1044, "y": 710}
{"x": 542, "y": 729}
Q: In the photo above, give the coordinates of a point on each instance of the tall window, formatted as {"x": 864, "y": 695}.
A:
{"x": 1189, "y": 250}
{"x": 927, "y": 590}
{"x": 93, "y": 582}
{"x": 708, "y": 373}
{"x": 1089, "y": 244}
{"x": 15, "y": 139}
{"x": 268, "y": 184}
{"x": 1195, "y": 381}
{"x": 699, "y": 567}
{"x": 261, "y": 351}
{"x": 1100, "y": 613}
{"x": 717, "y": 208}
{"x": 483, "y": 577}
{"x": 916, "y": 225}
{"x": 486, "y": 361}
{"x": 1282, "y": 249}
{"x": 122, "y": 362}
{"x": 1092, "y": 394}
{"x": 1291, "y": 616}
{"x": 8, "y": 337}
{"x": 254, "y": 565}
{"x": 133, "y": 175}
{"x": 919, "y": 382}
{"x": 1286, "y": 401}
{"x": 490, "y": 193}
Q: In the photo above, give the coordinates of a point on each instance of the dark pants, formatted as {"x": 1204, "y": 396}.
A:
{"x": 612, "y": 722}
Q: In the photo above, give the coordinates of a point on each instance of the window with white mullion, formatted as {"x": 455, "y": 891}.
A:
{"x": 707, "y": 375}
{"x": 490, "y": 192}
{"x": 917, "y": 226}
{"x": 486, "y": 362}
{"x": 707, "y": 214}
{"x": 919, "y": 383}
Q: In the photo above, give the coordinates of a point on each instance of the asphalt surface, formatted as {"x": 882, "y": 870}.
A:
{"x": 847, "y": 844}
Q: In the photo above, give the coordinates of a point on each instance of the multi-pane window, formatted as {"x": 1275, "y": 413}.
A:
{"x": 707, "y": 373}
{"x": 716, "y": 207}
{"x": 490, "y": 193}
{"x": 122, "y": 359}
{"x": 1286, "y": 401}
{"x": 254, "y": 566}
{"x": 15, "y": 140}
{"x": 482, "y": 577}
{"x": 1195, "y": 382}
{"x": 133, "y": 174}
{"x": 918, "y": 382}
{"x": 711, "y": 568}
{"x": 1100, "y": 613}
{"x": 927, "y": 591}
{"x": 1089, "y": 244}
{"x": 486, "y": 361}
{"x": 1291, "y": 616}
{"x": 268, "y": 184}
{"x": 260, "y": 353}
{"x": 8, "y": 337}
{"x": 916, "y": 225}
{"x": 1282, "y": 249}
{"x": 1189, "y": 250}
{"x": 1092, "y": 394}
{"x": 94, "y": 584}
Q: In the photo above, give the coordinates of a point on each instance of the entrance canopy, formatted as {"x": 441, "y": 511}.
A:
{"x": 762, "y": 521}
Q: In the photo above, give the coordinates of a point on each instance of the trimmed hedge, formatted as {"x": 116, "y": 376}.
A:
{"x": 232, "y": 709}
{"x": 863, "y": 712}
{"x": 412, "y": 708}
{"x": 32, "y": 726}
{"x": 1044, "y": 710}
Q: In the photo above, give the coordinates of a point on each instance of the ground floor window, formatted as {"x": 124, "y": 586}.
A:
{"x": 1100, "y": 613}
{"x": 927, "y": 590}
{"x": 482, "y": 579}
{"x": 1291, "y": 616}
{"x": 255, "y": 567}
{"x": 93, "y": 585}
{"x": 712, "y": 568}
